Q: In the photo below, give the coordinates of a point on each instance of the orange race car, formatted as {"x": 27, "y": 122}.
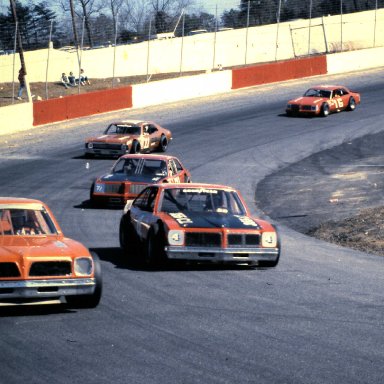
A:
{"x": 196, "y": 223}
{"x": 133, "y": 136}
{"x": 132, "y": 173}
{"x": 323, "y": 100}
{"x": 38, "y": 263}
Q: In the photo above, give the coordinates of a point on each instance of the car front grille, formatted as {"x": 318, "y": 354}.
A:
{"x": 106, "y": 146}
{"x": 114, "y": 188}
{"x": 306, "y": 107}
{"x": 295, "y": 108}
{"x": 243, "y": 240}
{"x": 50, "y": 268}
{"x": 136, "y": 188}
{"x": 203, "y": 239}
{"x": 9, "y": 270}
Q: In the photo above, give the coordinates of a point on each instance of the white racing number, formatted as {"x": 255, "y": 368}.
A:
{"x": 247, "y": 221}
{"x": 146, "y": 142}
{"x": 181, "y": 218}
{"x": 99, "y": 188}
{"x": 339, "y": 102}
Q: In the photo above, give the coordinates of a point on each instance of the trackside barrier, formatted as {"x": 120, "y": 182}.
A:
{"x": 279, "y": 71}
{"x": 182, "y": 88}
{"x": 355, "y": 60}
{"x": 16, "y": 118}
{"x": 91, "y": 103}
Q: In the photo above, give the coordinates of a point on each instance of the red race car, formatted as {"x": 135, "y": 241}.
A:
{"x": 38, "y": 262}
{"x": 133, "y": 136}
{"x": 132, "y": 173}
{"x": 323, "y": 100}
{"x": 196, "y": 223}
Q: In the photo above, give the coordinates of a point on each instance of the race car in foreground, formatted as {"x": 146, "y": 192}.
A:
{"x": 132, "y": 173}
{"x": 133, "y": 136}
{"x": 323, "y": 100}
{"x": 196, "y": 223}
{"x": 37, "y": 263}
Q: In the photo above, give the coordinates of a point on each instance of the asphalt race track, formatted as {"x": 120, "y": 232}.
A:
{"x": 316, "y": 318}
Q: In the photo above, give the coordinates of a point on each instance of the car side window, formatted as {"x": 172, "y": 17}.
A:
{"x": 178, "y": 165}
{"x": 142, "y": 199}
{"x": 151, "y": 129}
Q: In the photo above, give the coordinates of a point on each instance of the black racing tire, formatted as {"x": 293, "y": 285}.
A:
{"x": 289, "y": 113}
{"x": 135, "y": 148}
{"x": 93, "y": 300}
{"x": 154, "y": 254}
{"x": 127, "y": 236}
{"x": 89, "y": 155}
{"x": 325, "y": 110}
{"x": 351, "y": 104}
{"x": 91, "y": 198}
{"x": 163, "y": 144}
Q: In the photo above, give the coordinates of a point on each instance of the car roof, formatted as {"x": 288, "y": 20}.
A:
{"x": 20, "y": 202}
{"x": 131, "y": 122}
{"x": 147, "y": 156}
{"x": 196, "y": 186}
{"x": 328, "y": 87}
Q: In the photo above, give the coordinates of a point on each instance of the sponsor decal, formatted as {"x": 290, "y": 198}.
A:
{"x": 200, "y": 190}
{"x": 181, "y": 218}
{"x": 99, "y": 187}
{"x": 247, "y": 221}
{"x": 60, "y": 244}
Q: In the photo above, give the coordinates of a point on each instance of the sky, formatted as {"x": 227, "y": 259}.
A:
{"x": 222, "y": 5}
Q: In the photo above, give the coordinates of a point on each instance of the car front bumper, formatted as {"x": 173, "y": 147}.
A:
{"x": 232, "y": 255}
{"x": 105, "y": 152}
{"x": 29, "y": 289}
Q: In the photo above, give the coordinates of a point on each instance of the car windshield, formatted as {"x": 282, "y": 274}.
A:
{"x": 123, "y": 129}
{"x": 132, "y": 166}
{"x": 16, "y": 222}
{"x": 314, "y": 92}
{"x": 202, "y": 200}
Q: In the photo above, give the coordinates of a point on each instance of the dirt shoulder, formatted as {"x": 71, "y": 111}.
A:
{"x": 334, "y": 195}
{"x": 43, "y": 91}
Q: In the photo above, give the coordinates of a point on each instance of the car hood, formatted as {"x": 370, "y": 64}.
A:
{"x": 111, "y": 138}
{"x": 308, "y": 100}
{"x": 210, "y": 220}
{"x": 19, "y": 247}
{"x": 123, "y": 177}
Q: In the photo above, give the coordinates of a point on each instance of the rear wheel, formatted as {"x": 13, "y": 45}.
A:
{"x": 89, "y": 301}
{"x": 351, "y": 104}
{"x": 325, "y": 110}
{"x": 135, "y": 148}
{"x": 163, "y": 145}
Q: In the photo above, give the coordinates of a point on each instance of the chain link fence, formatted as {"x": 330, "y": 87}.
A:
{"x": 197, "y": 39}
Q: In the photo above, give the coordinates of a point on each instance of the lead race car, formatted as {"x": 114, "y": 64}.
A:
{"x": 196, "y": 223}
{"x": 133, "y": 136}
{"x": 132, "y": 173}
{"x": 37, "y": 262}
{"x": 323, "y": 100}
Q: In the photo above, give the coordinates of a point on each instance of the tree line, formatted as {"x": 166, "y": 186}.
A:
{"x": 93, "y": 23}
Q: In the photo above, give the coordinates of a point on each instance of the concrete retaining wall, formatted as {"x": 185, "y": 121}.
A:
{"x": 16, "y": 118}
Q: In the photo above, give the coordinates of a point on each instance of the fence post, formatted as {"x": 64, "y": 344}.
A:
{"x": 325, "y": 35}
{"x": 277, "y": 29}
{"x": 13, "y": 65}
{"x": 182, "y": 43}
{"x": 114, "y": 54}
{"x": 309, "y": 28}
{"x": 246, "y": 34}
{"x": 149, "y": 39}
{"x": 214, "y": 41}
{"x": 49, "y": 50}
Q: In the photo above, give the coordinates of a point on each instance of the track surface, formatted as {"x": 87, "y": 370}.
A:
{"x": 316, "y": 318}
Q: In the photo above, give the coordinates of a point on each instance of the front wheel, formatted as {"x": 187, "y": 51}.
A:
{"x": 325, "y": 110}
{"x": 89, "y": 301}
{"x": 154, "y": 255}
{"x": 351, "y": 104}
{"x": 163, "y": 145}
{"x": 127, "y": 236}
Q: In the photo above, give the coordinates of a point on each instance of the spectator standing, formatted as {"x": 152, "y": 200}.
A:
{"x": 64, "y": 80}
{"x": 72, "y": 79}
{"x": 22, "y": 86}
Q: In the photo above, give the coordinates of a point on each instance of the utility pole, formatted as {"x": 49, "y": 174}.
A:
{"x": 21, "y": 52}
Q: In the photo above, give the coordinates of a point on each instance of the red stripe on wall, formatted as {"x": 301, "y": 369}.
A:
{"x": 90, "y": 103}
{"x": 278, "y": 71}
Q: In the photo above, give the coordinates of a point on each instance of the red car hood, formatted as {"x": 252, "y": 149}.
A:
{"x": 18, "y": 247}
{"x": 308, "y": 100}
